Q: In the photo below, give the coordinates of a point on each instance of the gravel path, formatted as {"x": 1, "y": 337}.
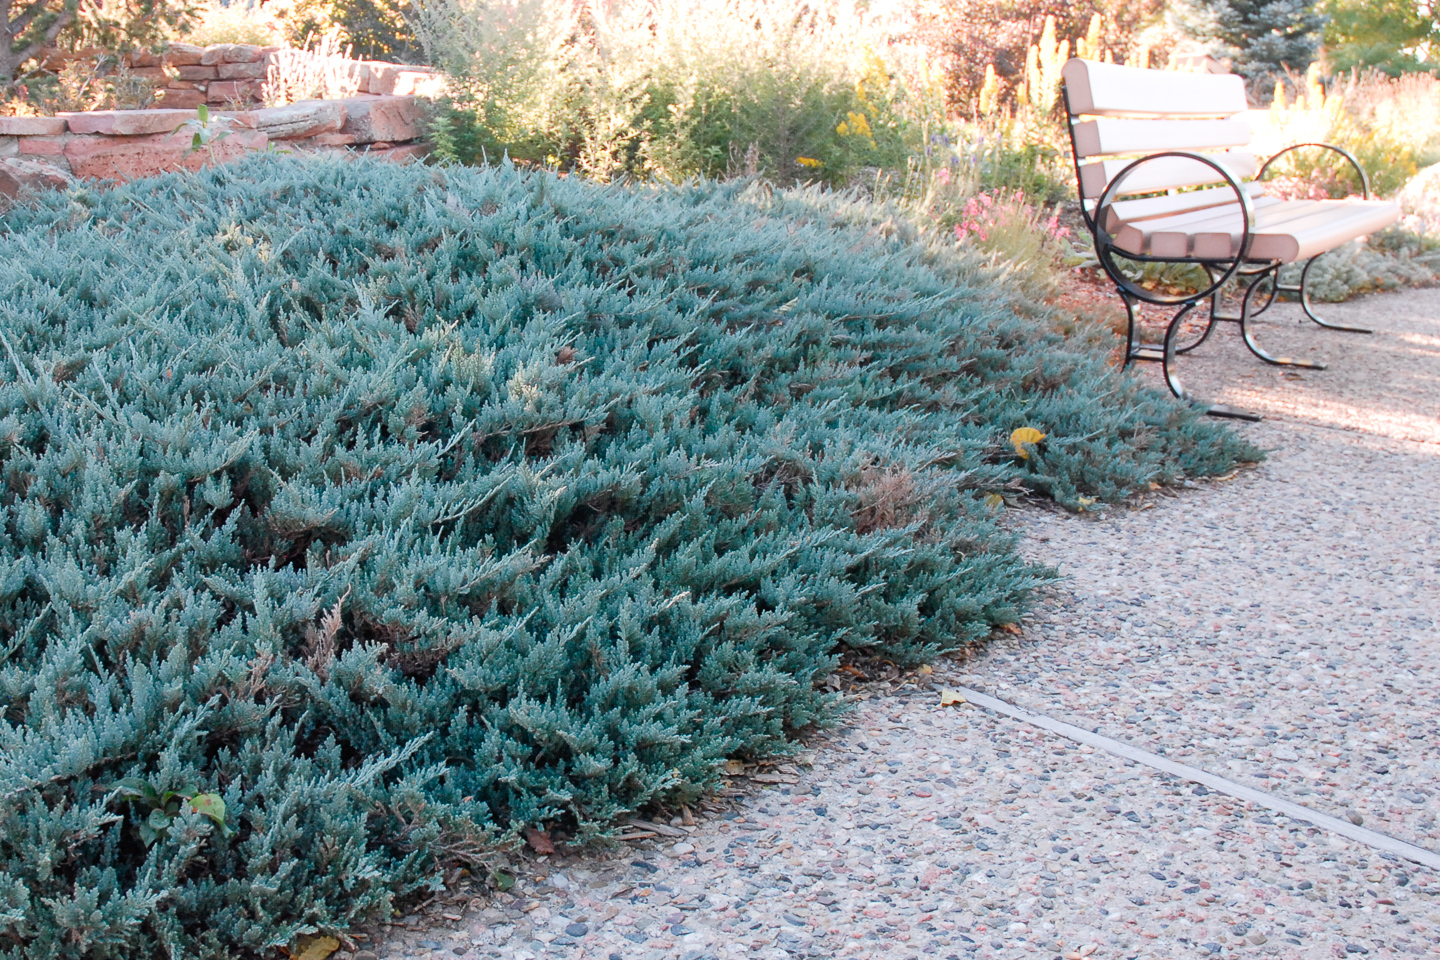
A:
{"x": 1278, "y": 628}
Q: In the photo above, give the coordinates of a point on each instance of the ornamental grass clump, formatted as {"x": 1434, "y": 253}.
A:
{"x": 358, "y": 517}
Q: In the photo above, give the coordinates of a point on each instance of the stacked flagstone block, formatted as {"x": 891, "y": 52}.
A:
{"x": 232, "y": 74}
{"x": 125, "y": 144}
{"x": 382, "y": 119}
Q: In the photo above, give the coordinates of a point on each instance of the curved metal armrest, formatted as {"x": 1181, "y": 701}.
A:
{"x": 1105, "y": 243}
{"x": 1364, "y": 180}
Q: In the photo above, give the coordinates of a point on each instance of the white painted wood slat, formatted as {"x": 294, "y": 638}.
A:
{"x": 1110, "y": 90}
{"x": 1165, "y": 173}
{"x": 1140, "y": 236}
{"x": 1128, "y": 211}
{"x": 1107, "y": 136}
{"x": 1273, "y": 216}
{"x": 1334, "y": 222}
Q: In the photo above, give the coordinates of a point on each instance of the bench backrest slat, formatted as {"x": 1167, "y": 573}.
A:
{"x": 1109, "y": 137}
{"x": 1166, "y": 173}
{"x": 1167, "y": 205}
{"x": 1110, "y": 90}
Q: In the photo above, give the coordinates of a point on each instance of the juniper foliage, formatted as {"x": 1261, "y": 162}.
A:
{"x": 405, "y": 507}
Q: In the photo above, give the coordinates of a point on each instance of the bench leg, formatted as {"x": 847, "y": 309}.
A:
{"x": 1304, "y": 290}
{"x": 1172, "y": 377}
{"x": 1267, "y": 279}
{"x": 1187, "y": 338}
{"x": 1165, "y": 356}
{"x": 1193, "y": 331}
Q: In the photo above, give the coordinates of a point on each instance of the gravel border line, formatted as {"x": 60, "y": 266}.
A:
{"x": 1121, "y": 749}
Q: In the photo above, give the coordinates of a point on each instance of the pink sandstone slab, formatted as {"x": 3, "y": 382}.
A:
{"x": 116, "y": 158}
{"x": 402, "y": 153}
{"x": 17, "y": 175}
{"x": 31, "y": 126}
{"x": 237, "y": 118}
{"x": 184, "y": 98}
{"x": 399, "y": 80}
{"x": 128, "y": 123}
{"x": 43, "y": 146}
{"x": 306, "y": 118}
{"x": 227, "y": 91}
{"x": 243, "y": 71}
{"x": 231, "y": 53}
{"x": 183, "y": 54}
{"x": 372, "y": 119}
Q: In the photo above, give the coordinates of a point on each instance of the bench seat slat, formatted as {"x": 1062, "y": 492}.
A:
{"x": 1112, "y": 90}
{"x": 1108, "y": 137}
{"x": 1334, "y": 223}
{"x": 1272, "y": 216}
{"x": 1166, "y": 173}
{"x": 1170, "y": 236}
{"x": 1122, "y": 212}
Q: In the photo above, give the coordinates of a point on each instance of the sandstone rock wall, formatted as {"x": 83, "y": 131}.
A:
{"x": 231, "y": 75}
{"x": 126, "y": 144}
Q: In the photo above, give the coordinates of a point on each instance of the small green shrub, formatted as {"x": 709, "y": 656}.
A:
{"x": 398, "y": 508}
{"x": 1391, "y": 125}
{"x": 1392, "y": 259}
{"x": 374, "y": 29}
{"x": 1017, "y": 236}
{"x": 777, "y": 88}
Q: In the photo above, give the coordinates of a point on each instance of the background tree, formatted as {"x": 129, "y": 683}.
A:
{"x": 980, "y": 33}
{"x": 28, "y": 28}
{"x": 1396, "y": 36}
{"x": 1263, "y": 38}
{"x": 374, "y": 29}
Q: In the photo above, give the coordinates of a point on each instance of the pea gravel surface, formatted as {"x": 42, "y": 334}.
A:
{"x": 1278, "y": 628}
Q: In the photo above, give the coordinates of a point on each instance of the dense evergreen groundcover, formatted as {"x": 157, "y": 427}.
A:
{"x": 404, "y": 507}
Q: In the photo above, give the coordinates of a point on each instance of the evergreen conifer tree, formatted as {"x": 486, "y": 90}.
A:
{"x": 1396, "y": 36}
{"x": 1262, "y": 37}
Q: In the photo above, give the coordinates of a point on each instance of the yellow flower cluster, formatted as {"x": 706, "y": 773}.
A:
{"x": 857, "y": 124}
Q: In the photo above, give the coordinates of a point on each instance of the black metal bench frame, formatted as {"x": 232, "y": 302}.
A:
{"x": 1257, "y": 274}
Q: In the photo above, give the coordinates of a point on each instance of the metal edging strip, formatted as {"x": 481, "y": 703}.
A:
{"x": 1324, "y": 821}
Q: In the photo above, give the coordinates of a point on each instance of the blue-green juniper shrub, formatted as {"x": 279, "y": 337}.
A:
{"x": 400, "y": 508}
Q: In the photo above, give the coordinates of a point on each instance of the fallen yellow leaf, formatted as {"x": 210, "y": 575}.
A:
{"x": 924, "y": 668}
{"x": 1022, "y": 436}
{"x": 994, "y": 501}
{"x": 314, "y": 948}
{"x": 948, "y": 698}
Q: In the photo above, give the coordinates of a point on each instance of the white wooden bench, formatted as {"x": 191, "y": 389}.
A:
{"x": 1164, "y": 177}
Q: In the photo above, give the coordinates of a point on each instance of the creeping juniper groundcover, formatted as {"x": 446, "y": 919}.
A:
{"x": 391, "y": 510}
